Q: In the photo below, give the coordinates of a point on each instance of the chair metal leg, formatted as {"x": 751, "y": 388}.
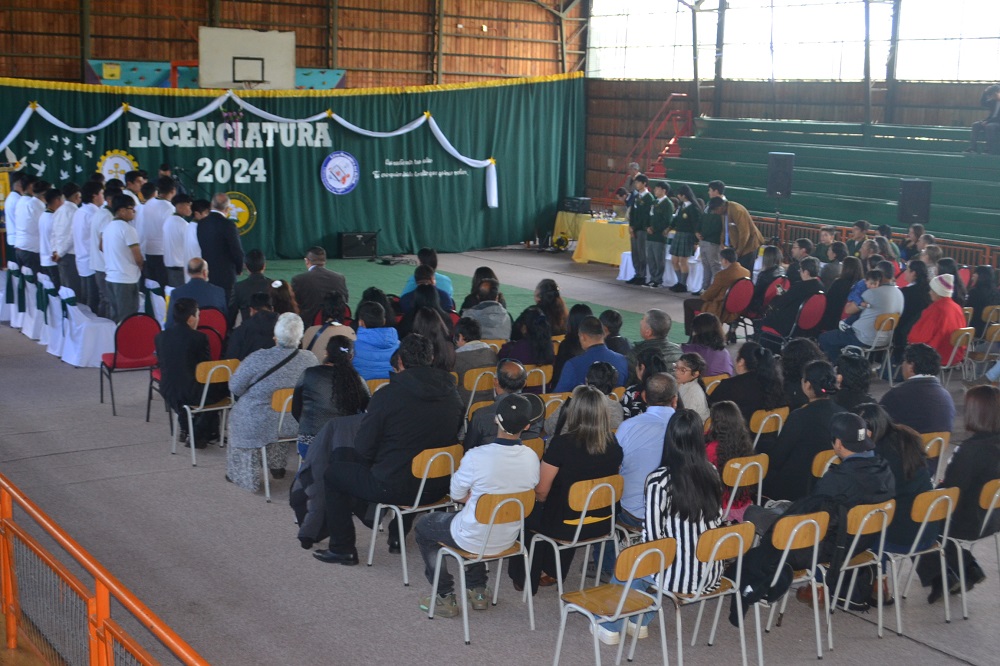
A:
{"x": 531, "y": 609}
{"x": 563, "y": 614}
{"x": 715, "y": 622}
{"x": 402, "y": 543}
{"x": 375, "y": 526}
{"x": 266, "y": 473}
{"x": 625, "y": 639}
{"x": 190, "y": 417}
{"x": 600, "y": 564}
{"x": 743, "y": 633}
{"x": 944, "y": 582}
{"x": 583, "y": 570}
{"x": 149, "y": 399}
{"x": 496, "y": 581}
{"x": 909, "y": 576}
{"x": 829, "y": 615}
{"x": 526, "y": 593}
{"x": 697, "y": 623}
{"x": 663, "y": 637}
{"x": 434, "y": 584}
{"x": 760, "y": 638}
{"x": 880, "y": 593}
{"x": 174, "y": 431}
{"x": 680, "y": 634}
{"x": 460, "y": 592}
{"x": 102, "y": 383}
{"x": 597, "y": 643}
{"x": 819, "y": 632}
{"x": 894, "y": 572}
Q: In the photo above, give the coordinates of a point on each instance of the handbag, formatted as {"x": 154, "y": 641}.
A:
{"x": 277, "y": 366}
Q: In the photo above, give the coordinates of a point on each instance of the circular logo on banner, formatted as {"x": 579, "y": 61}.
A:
{"x": 243, "y": 211}
{"x": 115, "y": 164}
{"x": 340, "y": 172}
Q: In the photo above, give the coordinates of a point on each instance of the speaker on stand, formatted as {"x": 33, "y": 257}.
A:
{"x": 780, "y": 167}
{"x": 914, "y": 206}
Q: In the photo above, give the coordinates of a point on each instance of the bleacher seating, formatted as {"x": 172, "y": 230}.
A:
{"x": 847, "y": 171}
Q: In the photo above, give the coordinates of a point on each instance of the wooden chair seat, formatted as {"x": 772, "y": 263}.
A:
{"x": 724, "y": 586}
{"x": 634, "y": 529}
{"x": 225, "y": 402}
{"x": 443, "y": 502}
{"x": 604, "y": 599}
{"x": 589, "y": 520}
{"x": 513, "y": 550}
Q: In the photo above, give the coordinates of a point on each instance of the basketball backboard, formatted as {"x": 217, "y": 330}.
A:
{"x": 231, "y": 58}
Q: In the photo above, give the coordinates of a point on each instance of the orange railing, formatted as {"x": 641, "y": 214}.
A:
{"x": 76, "y": 618}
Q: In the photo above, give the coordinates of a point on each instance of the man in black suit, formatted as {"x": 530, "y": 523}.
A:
{"x": 199, "y": 288}
{"x": 220, "y": 245}
{"x": 312, "y": 286}
{"x": 179, "y": 350}
{"x": 256, "y": 283}
{"x": 784, "y": 308}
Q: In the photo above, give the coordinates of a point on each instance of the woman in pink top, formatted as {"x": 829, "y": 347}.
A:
{"x": 729, "y": 438}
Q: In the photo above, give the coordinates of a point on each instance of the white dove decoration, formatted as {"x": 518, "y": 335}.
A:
{"x": 40, "y": 168}
{"x": 88, "y": 153}
{"x": 91, "y": 138}
{"x": 78, "y": 146}
{"x": 66, "y": 156}
{"x": 32, "y": 146}
{"x": 54, "y": 138}
{"x": 63, "y": 175}
{"x": 78, "y": 168}
{"x": 66, "y": 140}
{"x": 50, "y": 152}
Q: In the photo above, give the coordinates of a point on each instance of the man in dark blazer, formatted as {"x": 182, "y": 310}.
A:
{"x": 256, "y": 283}
{"x": 312, "y": 286}
{"x": 199, "y": 289}
{"x": 220, "y": 245}
{"x": 785, "y": 307}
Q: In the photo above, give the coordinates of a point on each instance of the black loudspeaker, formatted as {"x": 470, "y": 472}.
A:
{"x": 779, "y": 174}
{"x": 914, "y": 201}
{"x": 358, "y": 245}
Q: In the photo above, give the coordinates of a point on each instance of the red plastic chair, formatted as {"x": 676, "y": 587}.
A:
{"x": 155, "y": 376}
{"x": 966, "y": 274}
{"x": 134, "y": 350}
{"x": 810, "y": 313}
{"x": 772, "y": 289}
{"x": 214, "y": 319}
{"x": 737, "y": 300}
{"x": 214, "y": 341}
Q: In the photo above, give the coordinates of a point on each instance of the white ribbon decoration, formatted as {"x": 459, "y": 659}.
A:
{"x": 492, "y": 197}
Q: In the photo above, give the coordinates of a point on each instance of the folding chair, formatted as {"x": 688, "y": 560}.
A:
{"x": 281, "y": 402}
{"x": 618, "y": 601}
{"x": 428, "y": 464}
{"x": 795, "y": 533}
{"x": 491, "y": 510}
{"x": 33, "y": 321}
{"x": 475, "y": 380}
{"x": 207, "y": 373}
{"x": 743, "y": 473}
{"x": 536, "y": 444}
{"x": 87, "y": 336}
{"x": 935, "y": 445}
{"x": 214, "y": 341}
{"x": 737, "y": 300}
{"x": 988, "y": 353}
{"x": 214, "y": 318}
{"x": 8, "y": 292}
{"x": 715, "y": 546}
{"x": 585, "y": 497}
{"x": 768, "y": 422}
{"x": 752, "y": 319}
{"x": 989, "y": 500}
{"x": 822, "y": 462}
{"x": 43, "y": 287}
{"x": 553, "y": 401}
{"x": 375, "y": 384}
{"x": 968, "y": 315}
{"x": 538, "y": 375}
{"x": 134, "y": 350}
{"x": 808, "y": 317}
{"x": 885, "y": 327}
{"x": 494, "y": 343}
{"x": 961, "y": 340}
{"x": 864, "y": 520}
{"x": 929, "y": 507}
{"x": 712, "y": 381}
{"x": 55, "y": 324}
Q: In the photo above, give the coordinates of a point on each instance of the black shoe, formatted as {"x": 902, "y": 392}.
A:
{"x": 696, "y": 293}
{"x": 331, "y": 557}
{"x": 937, "y": 590}
{"x": 278, "y": 473}
{"x": 635, "y": 280}
{"x": 394, "y": 547}
{"x": 974, "y": 576}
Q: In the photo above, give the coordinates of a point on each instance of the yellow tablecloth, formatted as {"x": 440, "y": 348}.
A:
{"x": 569, "y": 223}
{"x": 601, "y": 242}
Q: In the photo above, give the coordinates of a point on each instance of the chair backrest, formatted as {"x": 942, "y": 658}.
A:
{"x": 712, "y": 381}
{"x": 772, "y": 289}
{"x": 822, "y": 461}
{"x": 992, "y": 334}
{"x": 539, "y": 375}
{"x": 281, "y": 400}
{"x": 478, "y": 379}
{"x": 867, "y": 519}
{"x": 991, "y": 314}
{"x": 215, "y": 372}
{"x": 214, "y": 318}
{"x": 934, "y": 443}
{"x": 811, "y": 312}
{"x": 989, "y": 497}
{"x": 800, "y": 531}
{"x": 135, "y": 335}
{"x": 965, "y": 273}
{"x": 494, "y": 343}
{"x": 214, "y": 341}
{"x": 960, "y": 339}
{"x": 634, "y": 563}
{"x": 476, "y": 406}
{"x": 746, "y": 471}
{"x": 553, "y": 401}
{"x": 765, "y": 421}
{"x": 968, "y": 315}
{"x": 934, "y": 505}
{"x": 506, "y": 508}
{"x": 885, "y": 326}
{"x": 375, "y": 384}
{"x": 591, "y": 494}
{"x": 724, "y": 543}
{"x": 437, "y": 463}
{"x": 738, "y": 296}
{"x": 536, "y": 444}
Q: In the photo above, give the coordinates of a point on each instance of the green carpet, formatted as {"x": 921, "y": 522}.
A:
{"x": 362, "y": 274}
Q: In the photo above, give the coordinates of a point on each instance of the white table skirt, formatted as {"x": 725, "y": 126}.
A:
{"x": 626, "y": 271}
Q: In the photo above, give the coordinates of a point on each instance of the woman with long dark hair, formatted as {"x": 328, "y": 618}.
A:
{"x": 531, "y": 339}
{"x": 428, "y": 323}
{"x": 729, "y": 438}
{"x": 648, "y": 362}
{"x": 855, "y": 375}
{"x": 548, "y": 298}
{"x": 709, "y": 341}
{"x": 806, "y": 433}
{"x": 688, "y": 371}
{"x": 770, "y": 270}
{"x": 840, "y": 289}
{"x": 756, "y": 384}
{"x": 570, "y": 347}
{"x": 950, "y": 266}
{"x": 425, "y": 296}
{"x": 472, "y": 300}
{"x": 794, "y": 357}
{"x": 325, "y": 392}
{"x": 982, "y": 294}
{"x": 586, "y": 449}
{"x": 916, "y": 298}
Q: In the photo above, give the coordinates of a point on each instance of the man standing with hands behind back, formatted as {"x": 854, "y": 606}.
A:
{"x": 220, "y": 244}
{"x": 638, "y": 221}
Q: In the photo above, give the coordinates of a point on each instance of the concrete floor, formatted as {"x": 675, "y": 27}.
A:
{"x": 225, "y": 571}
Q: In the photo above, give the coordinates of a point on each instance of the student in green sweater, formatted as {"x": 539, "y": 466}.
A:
{"x": 686, "y": 223}
{"x": 656, "y": 233}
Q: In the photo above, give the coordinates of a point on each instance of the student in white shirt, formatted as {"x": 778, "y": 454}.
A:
{"x": 91, "y": 199}
{"x": 175, "y": 230}
{"x": 200, "y": 209}
{"x": 98, "y": 222}
{"x": 53, "y": 201}
{"x": 122, "y": 259}
{"x": 17, "y": 181}
{"x": 63, "y": 249}
{"x": 29, "y": 210}
{"x": 155, "y": 213}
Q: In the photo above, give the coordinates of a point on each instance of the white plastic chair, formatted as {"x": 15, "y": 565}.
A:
{"x": 87, "y": 337}
{"x": 7, "y": 286}
{"x": 159, "y": 310}
{"x": 9, "y": 311}
{"x": 33, "y": 320}
{"x": 52, "y": 334}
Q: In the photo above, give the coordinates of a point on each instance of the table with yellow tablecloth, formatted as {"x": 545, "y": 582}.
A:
{"x": 601, "y": 242}
{"x": 569, "y": 223}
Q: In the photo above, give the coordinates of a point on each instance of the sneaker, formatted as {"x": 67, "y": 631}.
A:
{"x": 479, "y": 598}
{"x": 445, "y": 606}
{"x": 631, "y": 627}
{"x": 982, "y": 381}
{"x": 606, "y": 636}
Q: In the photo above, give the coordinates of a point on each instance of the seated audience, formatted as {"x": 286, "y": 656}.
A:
{"x": 806, "y": 432}
{"x": 836, "y": 295}
{"x": 255, "y": 283}
{"x": 255, "y": 332}
{"x": 916, "y": 298}
{"x": 311, "y": 287}
{"x": 939, "y": 320}
{"x": 328, "y": 391}
{"x": 833, "y": 264}
{"x": 654, "y": 329}
{"x": 283, "y": 298}
{"x": 854, "y": 375}
{"x": 333, "y": 314}
{"x": 376, "y": 342}
{"x": 592, "y": 342}
{"x": 827, "y": 237}
{"x": 531, "y": 339}
{"x": 418, "y": 410}
{"x": 205, "y": 294}
{"x": 729, "y": 438}
{"x": 472, "y": 299}
{"x": 427, "y": 256}
{"x": 611, "y": 320}
{"x": 982, "y": 294}
{"x": 424, "y": 275}
{"x": 549, "y": 300}
{"x": 376, "y": 295}
{"x": 509, "y": 380}
{"x": 920, "y": 401}
{"x": 784, "y": 310}
{"x": 931, "y": 255}
{"x": 689, "y": 370}
{"x": 709, "y": 340}
{"x": 892, "y": 252}
{"x": 502, "y": 466}
{"x": 427, "y": 322}
{"x": 648, "y": 363}
{"x": 570, "y": 347}
{"x": 884, "y": 299}
{"x": 492, "y": 317}
{"x": 908, "y": 248}
{"x": 756, "y": 384}
{"x": 801, "y": 248}
{"x": 587, "y": 449}
{"x": 770, "y": 270}
{"x": 713, "y": 299}
{"x": 424, "y": 296}
{"x": 602, "y": 376}
{"x": 796, "y": 355}
{"x": 948, "y": 266}
{"x": 252, "y": 422}
{"x": 471, "y": 352}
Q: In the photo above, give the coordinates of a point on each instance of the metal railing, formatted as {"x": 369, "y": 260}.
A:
{"x": 66, "y": 620}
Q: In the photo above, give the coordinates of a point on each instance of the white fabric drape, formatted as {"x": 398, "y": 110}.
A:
{"x": 492, "y": 196}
